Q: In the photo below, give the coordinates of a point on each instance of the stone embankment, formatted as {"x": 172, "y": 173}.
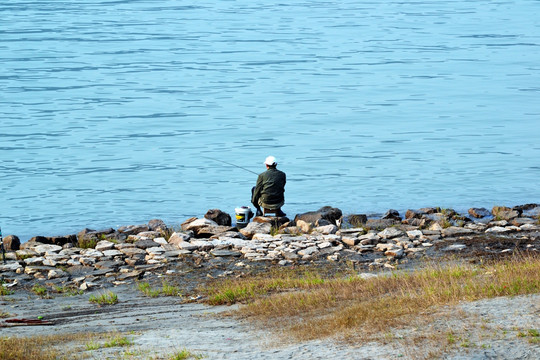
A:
{"x": 93, "y": 259}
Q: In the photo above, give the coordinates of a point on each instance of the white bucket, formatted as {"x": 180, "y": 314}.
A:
{"x": 243, "y": 215}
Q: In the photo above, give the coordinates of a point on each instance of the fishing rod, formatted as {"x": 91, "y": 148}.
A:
{"x": 228, "y": 163}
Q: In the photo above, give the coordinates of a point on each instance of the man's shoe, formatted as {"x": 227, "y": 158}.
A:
{"x": 280, "y": 213}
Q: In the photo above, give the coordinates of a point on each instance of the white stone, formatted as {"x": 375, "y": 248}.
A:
{"x": 160, "y": 240}
{"x": 42, "y": 249}
{"x": 92, "y": 253}
{"x": 308, "y": 251}
{"x": 199, "y": 223}
{"x": 390, "y": 233}
{"x": 49, "y": 262}
{"x": 184, "y": 245}
{"x": 414, "y": 234}
{"x": 529, "y": 227}
{"x": 104, "y": 245}
{"x": 11, "y": 266}
{"x": 112, "y": 253}
{"x": 177, "y": 238}
{"x": 324, "y": 245}
{"x": 326, "y": 229}
{"x": 55, "y": 274}
{"x": 498, "y": 230}
{"x": 155, "y": 250}
{"x": 34, "y": 261}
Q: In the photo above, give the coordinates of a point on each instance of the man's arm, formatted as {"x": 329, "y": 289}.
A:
{"x": 258, "y": 190}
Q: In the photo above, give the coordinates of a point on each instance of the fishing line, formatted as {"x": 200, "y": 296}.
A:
{"x": 228, "y": 163}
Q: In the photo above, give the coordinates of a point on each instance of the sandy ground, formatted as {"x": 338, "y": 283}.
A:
{"x": 159, "y": 327}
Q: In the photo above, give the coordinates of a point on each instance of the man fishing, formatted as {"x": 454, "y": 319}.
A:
{"x": 269, "y": 191}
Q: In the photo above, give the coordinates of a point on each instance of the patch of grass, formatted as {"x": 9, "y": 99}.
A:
{"x": 45, "y": 347}
{"x": 4, "y": 315}
{"x": 107, "y": 298}
{"x": 68, "y": 290}
{"x": 40, "y": 291}
{"x": 185, "y": 354}
{"x": 147, "y": 290}
{"x": 4, "y": 290}
{"x": 170, "y": 290}
{"x": 166, "y": 289}
{"x": 310, "y": 307}
{"x": 88, "y": 242}
{"x": 115, "y": 341}
{"x": 232, "y": 291}
{"x": 532, "y": 335}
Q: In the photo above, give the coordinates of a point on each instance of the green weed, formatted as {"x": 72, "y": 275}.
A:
{"x": 108, "y": 298}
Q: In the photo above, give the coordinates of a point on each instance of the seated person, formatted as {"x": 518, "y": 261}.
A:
{"x": 268, "y": 193}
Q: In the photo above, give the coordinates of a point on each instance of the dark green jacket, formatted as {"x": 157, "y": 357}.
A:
{"x": 270, "y": 187}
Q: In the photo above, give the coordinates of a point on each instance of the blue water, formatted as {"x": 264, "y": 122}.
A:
{"x": 108, "y": 109}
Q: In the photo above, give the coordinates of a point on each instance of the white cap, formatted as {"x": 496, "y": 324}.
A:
{"x": 270, "y": 161}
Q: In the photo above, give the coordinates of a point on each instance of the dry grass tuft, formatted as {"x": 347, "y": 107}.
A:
{"x": 46, "y": 347}
{"x": 307, "y": 306}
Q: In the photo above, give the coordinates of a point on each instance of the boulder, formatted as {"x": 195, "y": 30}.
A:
{"x": 456, "y": 231}
{"x": 212, "y": 230}
{"x": 327, "y": 212}
{"x": 133, "y": 229}
{"x": 505, "y": 213}
{"x": 357, "y": 220}
{"x": 104, "y": 245}
{"x": 326, "y": 230}
{"x": 304, "y": 226}
{"x": 157, "y": 225}
{"x": 44, "y": 248}
{"x": 219, "y": 217}
{"x": 177, "y": 238}
{"x": 414, "y": 214}
{"x": 12, "y": 243}
{"x": 380, "y": 224}
{"x": 254, "y": 228}
{"x": 197, "y": 224}
{"x": 390, "y": 233}
{"x": 392, "y": 215}
{"x": 479, "y": 212}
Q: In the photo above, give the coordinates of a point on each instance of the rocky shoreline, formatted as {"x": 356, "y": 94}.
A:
{"x": 212, "y": 247}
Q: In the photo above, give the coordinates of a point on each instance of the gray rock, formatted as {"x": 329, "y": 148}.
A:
{"x": 178, "y": 237}
{"x": 145, "y": 244}
{"x": 357, "y": 220}
{"x": 456, "y": 231}
{"x": 380, "y": 224}
{"x": 10, "y": 266}
{"x": 505, "y": 213}
{"x": 390, "y": 233}
{"x": 42, "y": 249}
{"x": 225, "y": 253}
{"x": 455, "y": 247}
{"x": 479, "y": 212}
{"x": 327, "y": 212}
{"x": 392, "y": 215}
{"x": 310, "y": 251}
{"x": 157, "y": 225}
{"x": 132, "y": 251}
{"x": 184, "y": 245}
{"x": 133, "y": 229}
